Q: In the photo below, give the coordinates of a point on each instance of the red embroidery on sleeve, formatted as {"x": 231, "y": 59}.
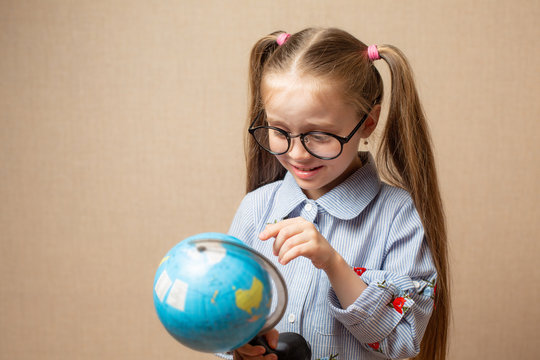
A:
{"x": 359, "y": 270}
{"x": 398, "y": 304}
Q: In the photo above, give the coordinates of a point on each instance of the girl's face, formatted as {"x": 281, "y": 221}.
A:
{"x": 298, "y": 105}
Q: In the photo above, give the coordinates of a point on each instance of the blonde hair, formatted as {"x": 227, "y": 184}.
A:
{"x": 405, "y": 155}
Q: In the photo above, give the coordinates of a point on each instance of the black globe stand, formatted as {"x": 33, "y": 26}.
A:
{"x": 291, "y": 346}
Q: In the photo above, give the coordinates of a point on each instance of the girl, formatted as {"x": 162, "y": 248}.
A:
{"x": 365, "y": 261}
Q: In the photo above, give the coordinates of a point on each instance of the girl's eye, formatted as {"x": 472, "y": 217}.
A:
{"x": 318, "y": 137}
{"x": 277, "y": 134}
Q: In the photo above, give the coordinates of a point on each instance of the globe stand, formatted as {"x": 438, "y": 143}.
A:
{"x": 291, "y": 346}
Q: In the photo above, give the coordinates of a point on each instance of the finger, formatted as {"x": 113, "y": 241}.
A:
{"x": 271, "y": 230}
{"x": 285, "y": 234}
{"x": 247, "y": 357}
{"x": 291, "y": 242}
{"x": 293, "y": 253}
{"x": 239, "y": 356}
{"x": 272, "y": 338}
{"x": 308, "y": 234}
{"x": 249, "y": 350}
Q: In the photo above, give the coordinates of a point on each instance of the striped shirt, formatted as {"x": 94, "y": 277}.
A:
{"x": 376, "y": 229}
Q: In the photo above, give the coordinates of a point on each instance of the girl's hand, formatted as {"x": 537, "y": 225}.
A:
{"x": 249, "y": 352}
{"x": 298, "y": 237}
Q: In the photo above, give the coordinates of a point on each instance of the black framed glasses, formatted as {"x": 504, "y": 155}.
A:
{"x": 322, "y": 145}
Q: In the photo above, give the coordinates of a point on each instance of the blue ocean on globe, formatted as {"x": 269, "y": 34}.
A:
{"x": 212, "y": 296}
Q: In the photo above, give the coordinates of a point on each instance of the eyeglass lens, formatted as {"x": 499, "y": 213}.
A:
{"x": 278, "y": 142}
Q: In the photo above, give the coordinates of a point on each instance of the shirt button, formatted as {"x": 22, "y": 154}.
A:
{"x": 416, "y": 284}
{"x": 308, "y": 207}
{"x": 291, "y": 318}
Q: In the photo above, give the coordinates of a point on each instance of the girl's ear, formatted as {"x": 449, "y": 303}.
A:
{"x": 371, "y": 122}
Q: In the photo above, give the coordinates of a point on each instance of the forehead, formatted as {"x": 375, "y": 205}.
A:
{"x": 277, "y": 87}
{"x": 289, "y": 96}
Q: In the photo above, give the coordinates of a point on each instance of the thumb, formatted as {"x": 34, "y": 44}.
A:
{"x": 272, "y": 338}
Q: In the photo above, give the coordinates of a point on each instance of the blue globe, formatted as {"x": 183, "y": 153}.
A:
{"x": 212, "y": 293}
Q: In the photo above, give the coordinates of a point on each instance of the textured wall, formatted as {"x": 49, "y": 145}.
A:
{"x": 121, "y": 134}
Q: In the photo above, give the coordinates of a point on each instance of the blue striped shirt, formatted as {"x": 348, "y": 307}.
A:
{"x": 376, "y": 229}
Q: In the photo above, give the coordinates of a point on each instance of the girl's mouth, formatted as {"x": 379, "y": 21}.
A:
{"x": 305, "y": 172}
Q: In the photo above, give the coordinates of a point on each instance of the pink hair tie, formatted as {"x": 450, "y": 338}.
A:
{"x": 282, "y": 38}
{"x": 373, "y": 53}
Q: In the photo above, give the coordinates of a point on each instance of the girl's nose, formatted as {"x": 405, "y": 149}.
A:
{"x": 297, "y": 150}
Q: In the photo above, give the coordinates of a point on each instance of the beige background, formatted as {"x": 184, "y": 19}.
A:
{"x": 121, "y": 134}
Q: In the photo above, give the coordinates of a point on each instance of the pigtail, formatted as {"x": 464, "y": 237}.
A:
{"x": 405, "y": 155}
{"x": 262, "y": 167}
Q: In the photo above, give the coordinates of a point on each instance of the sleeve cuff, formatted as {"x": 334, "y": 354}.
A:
{"x": 375, "y": 313}
{"x": 227, "y": 355}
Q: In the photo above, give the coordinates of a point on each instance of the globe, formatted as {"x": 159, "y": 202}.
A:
{"x": 212, "y": 293}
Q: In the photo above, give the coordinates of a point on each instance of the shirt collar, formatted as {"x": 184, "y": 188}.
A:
{"x": 288, "y": 197}
{"x": 346, "y": 201}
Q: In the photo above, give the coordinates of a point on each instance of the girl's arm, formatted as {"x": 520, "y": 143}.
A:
{"x": 346, "y": 283}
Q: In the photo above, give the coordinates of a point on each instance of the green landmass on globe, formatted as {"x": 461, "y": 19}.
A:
{"x": 250, "y": 299}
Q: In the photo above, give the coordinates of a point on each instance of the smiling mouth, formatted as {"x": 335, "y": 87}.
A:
{"x": 307, "y": 169}
{"x": 306, "y": 173}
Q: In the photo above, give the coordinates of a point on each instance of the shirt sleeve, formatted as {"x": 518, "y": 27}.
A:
{"x": 392, "y": 313}
{"x": 227, "y": 356}
{"x": 243, "y": 224}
